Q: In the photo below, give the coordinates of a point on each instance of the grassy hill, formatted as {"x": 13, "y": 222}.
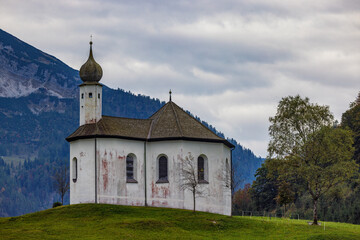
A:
{"x": 101, "y": 221}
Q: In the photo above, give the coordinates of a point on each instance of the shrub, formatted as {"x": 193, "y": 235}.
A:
{"x": 57, "y": 204}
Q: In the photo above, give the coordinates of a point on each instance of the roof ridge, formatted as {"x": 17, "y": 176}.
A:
{"x": 177, "y": 119}
{"x": 203, "y": 126}
{"x": 158, "y": 110}
{"x": 153, "y": 121}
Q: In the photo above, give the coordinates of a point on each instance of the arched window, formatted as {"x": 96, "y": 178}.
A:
{"x": 131, "y": 168}
{"x": 74, "y": 170}
{"x": 163, "y": 169}
{"x": 90, "y": 95}
{"x": 201, "y": 168}
{"x": 202, "y": 172}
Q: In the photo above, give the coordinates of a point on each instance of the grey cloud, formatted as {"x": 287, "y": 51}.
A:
{"x": 204, "y": 49}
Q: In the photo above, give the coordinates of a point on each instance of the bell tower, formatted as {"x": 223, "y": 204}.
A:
{"x": 90, "y": 91}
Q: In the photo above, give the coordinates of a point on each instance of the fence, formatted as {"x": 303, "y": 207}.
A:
{"x": 269, "y": 214}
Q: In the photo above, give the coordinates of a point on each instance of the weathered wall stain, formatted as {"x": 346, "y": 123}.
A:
{"x": 105, "y": 173}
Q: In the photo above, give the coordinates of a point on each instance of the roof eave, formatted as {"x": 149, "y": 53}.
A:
{"x": 225, "y": 142}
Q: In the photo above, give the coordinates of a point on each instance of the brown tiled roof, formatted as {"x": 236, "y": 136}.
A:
{"x": 169, "y": 123}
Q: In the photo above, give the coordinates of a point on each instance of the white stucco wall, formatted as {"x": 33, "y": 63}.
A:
{"x": 83, "y": 190}
{"x": 90, "y": 108}
{"x": 111, "y": 173}
{"x": 216, "y": 197}
{"x": 113, "y": 187}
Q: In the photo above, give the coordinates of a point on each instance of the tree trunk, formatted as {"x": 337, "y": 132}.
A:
{"x": 315, "y": 222}
{"x": 62, "y": 199}
{"x": 194, "y": 199}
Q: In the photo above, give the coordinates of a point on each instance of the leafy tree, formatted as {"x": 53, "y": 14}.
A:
{"x": 264, "y": 189}
{"x": 242, "y": 199}
{"x": 304, "y": 145}
{"x": 351, "y": 120}
{"x": 285, "y": 194}
{"x": 295, "y": 120}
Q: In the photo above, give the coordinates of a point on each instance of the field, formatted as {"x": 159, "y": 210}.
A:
{"x": 101, "y": 221}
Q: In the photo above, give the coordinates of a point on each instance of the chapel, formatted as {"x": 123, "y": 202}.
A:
{"x": 139, "y": 162}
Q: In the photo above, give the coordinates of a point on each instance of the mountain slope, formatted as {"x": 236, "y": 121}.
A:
{"x": 39, "y": 107}
{"x": 25, "y": 69}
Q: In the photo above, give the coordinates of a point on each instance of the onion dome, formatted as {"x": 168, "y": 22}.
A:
{"x": 90, "y": 71}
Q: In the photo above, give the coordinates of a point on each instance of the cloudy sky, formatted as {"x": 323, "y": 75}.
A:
{"x": 228, "y": 62}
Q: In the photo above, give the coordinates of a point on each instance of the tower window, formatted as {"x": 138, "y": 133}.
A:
{"x": 82, "y": 96}
{"x": 98, "y": 95}
{"x": 90, "y": 95}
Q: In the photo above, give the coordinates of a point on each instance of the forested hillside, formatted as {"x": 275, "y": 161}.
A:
{"x": 41, "y": 111}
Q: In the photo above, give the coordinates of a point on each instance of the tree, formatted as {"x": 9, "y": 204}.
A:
{"x": 285, "y": 194}
{"x": 351, "y": 120}
{"x": 264, "y": 189}
{"x": 242, "y": 199}
{"x": 61, "y": 182}
{"x": 295, "y": 120}
{"x": 304, "y": 144}
{"x": 190, "y": 179}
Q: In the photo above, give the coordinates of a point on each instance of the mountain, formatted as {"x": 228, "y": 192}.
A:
{"x": 39, "y": 107}
{"x": 25, "y": 70}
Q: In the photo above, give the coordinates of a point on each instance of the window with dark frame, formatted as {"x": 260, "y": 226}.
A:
{"x": 74, "y": 169}
{"x": 98, "y": 95}
{"x": 201, "y": 168}
{"x": 90, "y": 95}
{"x": 82, "y": 96}
{"x": 130, "y": 167}
{"x": 163, "y": 169}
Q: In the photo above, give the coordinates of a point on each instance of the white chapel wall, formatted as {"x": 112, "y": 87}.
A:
{"x": 111, "y": 173}
{"x": 112, "y": 183}
{"x": 83, "y": 190}
{"x": 216, "y": 196}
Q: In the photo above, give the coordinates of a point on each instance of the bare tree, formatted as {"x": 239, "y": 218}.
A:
{"x": 61, "y": 182}
{"x": 190, "y": 179}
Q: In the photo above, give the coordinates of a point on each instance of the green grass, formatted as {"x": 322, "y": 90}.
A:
{"x": 101, "y": 221}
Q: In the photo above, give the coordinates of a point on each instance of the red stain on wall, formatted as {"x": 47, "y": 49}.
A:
{"x": 159, "y": 192}
{"x": 106, "y": 173}
{"x": 154, "y": 190}
{"x": 166, "y": 191}
{"x": 155, "y": 203}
